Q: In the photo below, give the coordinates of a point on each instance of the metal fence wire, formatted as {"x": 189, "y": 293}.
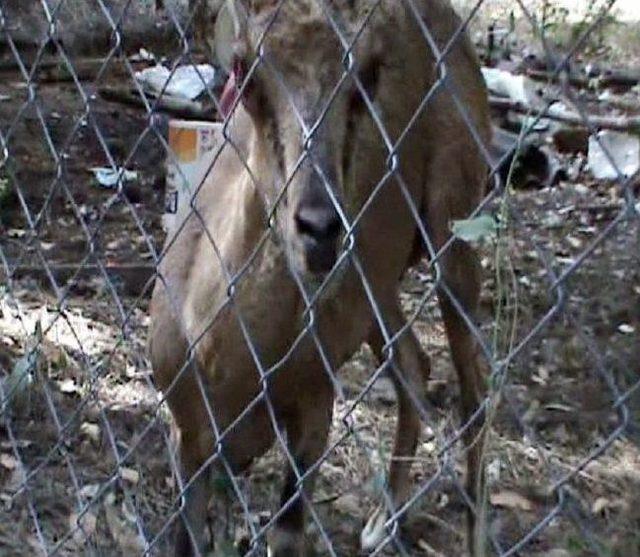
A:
{"x": 91, "y": 157}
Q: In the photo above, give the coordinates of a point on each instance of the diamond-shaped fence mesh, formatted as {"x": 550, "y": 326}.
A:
{"x": 314, "y": 276}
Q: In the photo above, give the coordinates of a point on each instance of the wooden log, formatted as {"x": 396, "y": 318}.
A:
{"x": 608, "y": 78}
{"x": 54, "y": 70}
{"x": 619, "y": 123}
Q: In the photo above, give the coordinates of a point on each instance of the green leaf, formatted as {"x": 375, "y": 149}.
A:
{"x": 479, "y": 228}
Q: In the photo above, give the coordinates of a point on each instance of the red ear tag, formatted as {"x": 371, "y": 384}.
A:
{"x": 231, "y": 89}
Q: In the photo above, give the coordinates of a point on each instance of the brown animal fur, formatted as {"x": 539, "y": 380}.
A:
{"x": 203, "y": 310}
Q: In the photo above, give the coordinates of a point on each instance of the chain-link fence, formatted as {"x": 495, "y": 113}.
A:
{"x": 317, "y": 190}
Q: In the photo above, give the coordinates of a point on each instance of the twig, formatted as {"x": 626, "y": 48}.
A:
{"x": 428, "y": 549}
{"x": 328, "y": 499}
{"x": 620, "y": 123}
{"x": 175, "y": 106}
{"x": 440, "y": 523}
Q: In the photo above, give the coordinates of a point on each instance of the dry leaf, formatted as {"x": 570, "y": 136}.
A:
{"x": 8, "y": 461}
{"x": 574, "y": 242}
{"x": 6, "y": 500}
{"x": 124, "y": 535}
{"x": 16, "y": 479}
{"x": 349, "y": 504}
{"x": 600, "y": 504}
{"x": 510, "y": 500}
{"x": 541, "y": 375}
{"x": 54, "y": 353}
{"x": 92, "y": 431}
{"x": 129, "y": 475}
{"x": 129, "y": 514}
{"x": 84, "y": 526}
{"x": 68, "y": 386}
{"x": 89, "y": 491}
{"x": 34, "y": 544}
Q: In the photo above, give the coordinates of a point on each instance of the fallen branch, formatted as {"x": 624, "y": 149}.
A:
{"x": 56, "y": 71}
{"x": 620, "y": 123}
{"x": 181, "y": 108}
{"x": 616, "y": 78}
{"x": 621, "y": 104}
{"x": 82, "y": 70}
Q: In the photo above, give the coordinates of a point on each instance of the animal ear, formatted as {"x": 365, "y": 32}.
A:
{"x": 230, "y": 32}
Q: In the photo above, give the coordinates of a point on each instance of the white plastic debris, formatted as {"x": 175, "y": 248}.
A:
{"x": 535, "y": 123}
{"x": 108, "y": 177}
{"x": 143, "y": 55}
{"x": 624, "y": 150}
{"x": 559, "y": 109}
{"x": 606, "y": 95}
{"x": 518, "y": 88}
{"x": 186, "y": 82}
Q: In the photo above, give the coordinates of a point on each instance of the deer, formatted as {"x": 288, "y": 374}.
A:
{"x": 336, "y": 177}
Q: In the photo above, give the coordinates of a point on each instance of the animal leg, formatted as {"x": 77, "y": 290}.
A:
{"x": 411, "y": 368}
{"x": 461, "y": 275}
{"x": 307, "y": 427}
{"x": 190, "y": 541}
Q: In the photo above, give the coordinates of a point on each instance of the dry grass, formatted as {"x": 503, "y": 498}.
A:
{"x": 554, "y": 411}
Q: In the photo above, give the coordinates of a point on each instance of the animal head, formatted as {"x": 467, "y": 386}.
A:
{"x": 291, "y": 72}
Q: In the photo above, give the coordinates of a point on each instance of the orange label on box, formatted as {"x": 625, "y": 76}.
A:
{"x": 194, "y": 145}
{"x": 184, "y": 143}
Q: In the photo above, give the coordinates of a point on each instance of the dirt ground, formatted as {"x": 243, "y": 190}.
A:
{"x": 85, "y": 441}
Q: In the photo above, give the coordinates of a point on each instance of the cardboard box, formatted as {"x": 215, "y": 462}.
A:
{"x": 194, "y": 146}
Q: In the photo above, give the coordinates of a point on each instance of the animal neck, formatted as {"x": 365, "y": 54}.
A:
{"x": 247, "y": 218}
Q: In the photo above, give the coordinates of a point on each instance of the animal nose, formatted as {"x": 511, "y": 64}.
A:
{"x": 320, "y": 224}
{"x": 319, "y": 228}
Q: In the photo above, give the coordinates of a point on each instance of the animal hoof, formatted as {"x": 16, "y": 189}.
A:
{"x": 374, "y": 531}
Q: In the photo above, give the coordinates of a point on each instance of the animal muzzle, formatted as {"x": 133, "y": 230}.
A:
{"x": 318, "y": 228}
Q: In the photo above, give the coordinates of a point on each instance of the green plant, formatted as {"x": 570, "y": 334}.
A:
{"x": 552, "y": 24}
{"x": 598, "y": 13}
{"x": 553, "y": 18}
